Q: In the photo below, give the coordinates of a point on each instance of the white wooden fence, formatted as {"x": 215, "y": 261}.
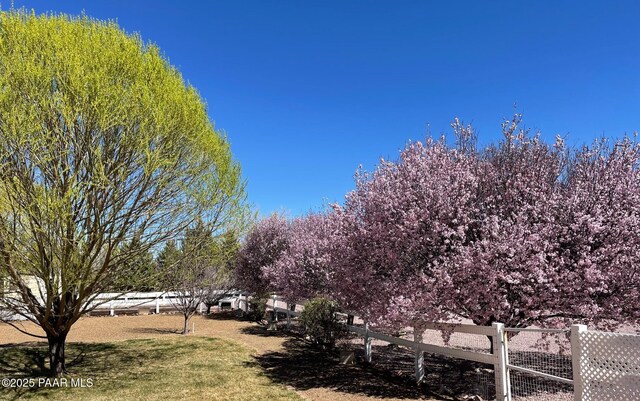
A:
{"x": 112, "y": 303}
{"x": 133, "y": 301}
{"x": 606, "y": 366}
{"x": 158, "y": 300}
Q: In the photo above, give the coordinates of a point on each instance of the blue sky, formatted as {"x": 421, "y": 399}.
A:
{"x": 309, "y": 90}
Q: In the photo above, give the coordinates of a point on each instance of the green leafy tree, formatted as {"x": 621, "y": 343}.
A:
{"x": 168, "y": 257}
{"x": 141, "y": 266}
{"x": 225, "y": 251}
{"x": 101, "y": 140}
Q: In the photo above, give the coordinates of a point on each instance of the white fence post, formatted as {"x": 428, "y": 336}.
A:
{"x": 503, "y": 383}
{"x": 157, "y": 306}
{"x": 367, "y": 343}
{"x": 112, "y": 312}
{"x": 419, "y": 359}
{"x": 201, "y": 307}
{"x": 578, "y": 385}
{"x": 288, "y": 317}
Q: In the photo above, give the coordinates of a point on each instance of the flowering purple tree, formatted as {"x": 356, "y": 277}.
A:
{"x": 600, "y": 236}
{"x": 556, "y": 237}
{"x": 302, "y": 270}
{"x": 263, "y": 246}
{"x": 523, "y": 233}
{"x": 402, "y": 224}
{"x": 509, "y": 271}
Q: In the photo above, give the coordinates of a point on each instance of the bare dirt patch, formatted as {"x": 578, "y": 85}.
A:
{"x": 109, "y": 329}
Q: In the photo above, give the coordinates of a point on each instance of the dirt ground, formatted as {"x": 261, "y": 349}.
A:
{"x": 284, "y": 358}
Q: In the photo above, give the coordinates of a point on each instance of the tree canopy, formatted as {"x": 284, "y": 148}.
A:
{"x": 522, "y": 232}
{"x": 101, "y": 140}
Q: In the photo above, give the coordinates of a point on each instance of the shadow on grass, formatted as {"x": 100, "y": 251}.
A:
{"x": 389, "y": 375}
{"x": 261, "y": 330}
{"x": 304, "y": 367}
{"x": 23, "y": 360}
{"x": 105, "y": 362}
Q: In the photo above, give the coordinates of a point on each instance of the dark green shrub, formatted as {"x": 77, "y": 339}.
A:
{"x": 257, "y": 309}
{"x": 321, "y": 322}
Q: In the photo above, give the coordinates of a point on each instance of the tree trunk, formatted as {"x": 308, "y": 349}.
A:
{"x": 185, "y": 330}
{"x": 489, "y": 322}
{"x": 208, "y": 309}
{"x": 56, "y": 354}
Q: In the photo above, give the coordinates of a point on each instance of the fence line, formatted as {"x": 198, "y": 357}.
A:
{"x": 131, "y": 301}
{"x": 497, "y": 358}
{"x": 157, "y": 300}
{"x": 603, "y": 366}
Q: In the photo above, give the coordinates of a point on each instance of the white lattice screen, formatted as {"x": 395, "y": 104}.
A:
{"x": 609, "y": 366}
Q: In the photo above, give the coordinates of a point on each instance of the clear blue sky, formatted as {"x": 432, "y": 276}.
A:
{"x": 307, "y": 91}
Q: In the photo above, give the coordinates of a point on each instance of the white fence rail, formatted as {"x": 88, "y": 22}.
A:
{"x": 496, "y": 331}
{"x": 158, "y": 300}
{"x": 112, "y": 303}
{"x": 133, "y": 301}
{"x": 602, "y": 367}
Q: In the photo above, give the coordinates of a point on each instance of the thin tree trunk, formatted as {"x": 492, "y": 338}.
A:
{"x": 487, "y": 323}
{"x": 185, "y": 330}
{"x": 56, "y": 354}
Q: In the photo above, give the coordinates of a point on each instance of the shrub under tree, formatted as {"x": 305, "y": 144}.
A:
{"x": 321, "y": 322}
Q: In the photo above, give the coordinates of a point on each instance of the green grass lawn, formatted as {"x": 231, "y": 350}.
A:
{"x": 186, "y": 368}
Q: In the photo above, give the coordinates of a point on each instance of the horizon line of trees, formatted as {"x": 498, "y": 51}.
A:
{"x": 521, "y": 232}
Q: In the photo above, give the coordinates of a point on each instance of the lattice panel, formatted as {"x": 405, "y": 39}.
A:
{"x": 610, "y": 366}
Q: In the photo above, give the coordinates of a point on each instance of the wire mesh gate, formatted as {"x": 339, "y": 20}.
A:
{"x": 539, "y": 364}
